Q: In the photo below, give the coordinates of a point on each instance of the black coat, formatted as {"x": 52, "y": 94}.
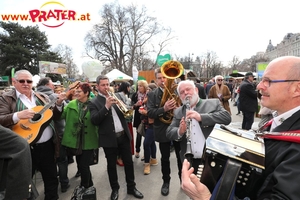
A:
{"x": 155, "y": 111}
{"x": 103, "y": 118}
{"x": 201, "y": 91}
{"x": 282, "y": 161}
{"x": 248, "y": 97}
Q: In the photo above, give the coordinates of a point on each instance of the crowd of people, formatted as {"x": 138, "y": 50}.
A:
{"x": 84, "y": 118}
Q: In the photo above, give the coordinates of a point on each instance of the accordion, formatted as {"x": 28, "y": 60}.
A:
{"x": 241, "y": 147}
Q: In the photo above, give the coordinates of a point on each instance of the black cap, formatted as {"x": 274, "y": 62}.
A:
{"x": 249, "y": 74}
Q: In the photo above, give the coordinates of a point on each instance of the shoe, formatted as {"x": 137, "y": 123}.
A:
{"x": 153, "y": 161}
{"x": 146, "y": 168}
{"x": 143, "y": 158}
{"x": 165, "y": 189}
{"x": 77, "y": 174}
{"x": 114, "y": 195}
{"x": 135, "y": 193}
{"x": 120, "y": 162}
{"x": 137, "y": 154}
{"x": 238, "y": 113}
{"x": 64, "y": 188}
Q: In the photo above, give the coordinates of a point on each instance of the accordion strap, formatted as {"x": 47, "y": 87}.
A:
{"x": 224, "y": 189}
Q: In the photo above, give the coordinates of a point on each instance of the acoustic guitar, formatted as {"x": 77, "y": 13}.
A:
{"x": 32, "y": 129}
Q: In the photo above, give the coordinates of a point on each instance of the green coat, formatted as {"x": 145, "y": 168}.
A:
{"x": 90, "y": 138}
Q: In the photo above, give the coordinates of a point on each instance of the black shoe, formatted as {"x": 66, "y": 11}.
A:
{"x": 135, "y": 193}
{"x": 165, "y": 189}
{"x": 238, "y": 113}
{"x": 114, "y": 195}
{"x": 77, "y": 174}
{"x": 64, "y": 188}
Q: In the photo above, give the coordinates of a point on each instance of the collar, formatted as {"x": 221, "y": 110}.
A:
{"x": 18, "y": 94}
{"x": 278, "y": 120}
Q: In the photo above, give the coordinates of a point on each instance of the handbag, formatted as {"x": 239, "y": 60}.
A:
{"x": 95, "y": 157}
{"x": 141, "y": 129}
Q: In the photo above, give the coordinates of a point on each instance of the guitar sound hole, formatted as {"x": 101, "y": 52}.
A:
{"x": 36, "y": 117}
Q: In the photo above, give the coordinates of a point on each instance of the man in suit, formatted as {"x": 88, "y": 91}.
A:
{"x": 16, "y": 105}
{"x": 282, "y": 173}
{"x": 114, "y": 137}
{"x": 201, "y": 91}
{"x": 15, "y": 178}
{"x": 155, "y": 111}
{"x": 205, "y": 112}
{"x": 248, "y": 100}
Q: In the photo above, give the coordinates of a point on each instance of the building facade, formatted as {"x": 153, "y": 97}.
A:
{"x": 289, "y": 46}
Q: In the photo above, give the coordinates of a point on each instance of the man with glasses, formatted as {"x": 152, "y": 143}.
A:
{"x": 18, "y": 104}
{"x": 248, "y": 100}
{"x": 280, "y": 90}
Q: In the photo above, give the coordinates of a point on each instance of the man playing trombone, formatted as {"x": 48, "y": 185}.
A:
{"x": 203, "y": 114}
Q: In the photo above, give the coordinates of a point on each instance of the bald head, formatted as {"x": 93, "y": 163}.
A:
{"x": 280, "y": 85}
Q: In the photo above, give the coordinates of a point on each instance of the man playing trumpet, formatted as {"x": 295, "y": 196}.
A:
{"x": 114, "y": 137}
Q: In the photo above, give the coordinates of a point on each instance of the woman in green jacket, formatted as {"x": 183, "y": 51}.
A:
{"x": 80, "y": 135}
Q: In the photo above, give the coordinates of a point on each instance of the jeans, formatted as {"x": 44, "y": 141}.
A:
{"x": 149, "y": 145}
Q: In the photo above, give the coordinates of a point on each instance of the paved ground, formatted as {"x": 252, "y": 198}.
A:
{"x": 149, "y": 185}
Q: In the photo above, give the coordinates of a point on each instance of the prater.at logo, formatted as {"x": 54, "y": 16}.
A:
{"x": 53, "y": 14}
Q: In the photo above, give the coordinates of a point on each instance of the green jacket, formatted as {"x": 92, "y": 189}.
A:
{"x": 90, "y": 138}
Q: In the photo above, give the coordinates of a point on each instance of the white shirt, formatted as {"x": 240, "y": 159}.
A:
{"x": 117, "y": 121}
{"x": 277, "y": 120}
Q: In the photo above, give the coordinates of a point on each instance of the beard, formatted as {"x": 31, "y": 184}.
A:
{"x": 193, "y": 99}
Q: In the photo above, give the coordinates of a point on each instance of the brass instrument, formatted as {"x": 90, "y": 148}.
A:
{"x": 171, "y": 70}
{"x": 121, "y": 106}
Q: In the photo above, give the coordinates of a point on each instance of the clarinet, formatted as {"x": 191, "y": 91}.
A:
{"x": 188, "y": 154}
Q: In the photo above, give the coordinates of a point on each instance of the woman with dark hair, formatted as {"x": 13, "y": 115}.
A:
{"x": 80, "y": 135}
{"x": 122, "y": 94}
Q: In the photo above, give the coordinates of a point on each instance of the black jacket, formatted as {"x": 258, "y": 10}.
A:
{"x": 248, "y": 97}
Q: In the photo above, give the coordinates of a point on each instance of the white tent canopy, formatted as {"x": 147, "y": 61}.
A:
{"x": 117, "y": 75}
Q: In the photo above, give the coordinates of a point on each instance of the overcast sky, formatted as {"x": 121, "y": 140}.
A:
{"x": 227, "y": 27}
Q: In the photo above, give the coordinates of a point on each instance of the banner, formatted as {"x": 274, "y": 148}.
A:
{"x": 260, "y": 68}
{"x": 52, "y": 67}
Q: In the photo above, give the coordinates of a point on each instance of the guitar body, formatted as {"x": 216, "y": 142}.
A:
{"x": 31, "y": 129}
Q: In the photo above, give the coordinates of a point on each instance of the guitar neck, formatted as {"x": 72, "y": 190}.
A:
{"x": 47, "y": 106}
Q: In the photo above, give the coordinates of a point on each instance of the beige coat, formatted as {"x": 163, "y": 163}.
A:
{"x": 224, "y": 99}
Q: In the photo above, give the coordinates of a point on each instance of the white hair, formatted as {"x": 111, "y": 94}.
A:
{"x": 217, "y": 77}
{"x": 185, "y": 81}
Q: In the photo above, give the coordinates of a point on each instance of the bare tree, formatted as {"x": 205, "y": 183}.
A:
{"x": 67, "y": 56}
{"x": 123, "y": 37}
{"x": 211, "y": 65}
{"x": 234, "y": 63}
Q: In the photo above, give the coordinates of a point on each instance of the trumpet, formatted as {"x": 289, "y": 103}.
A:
{"x": 188, "y": 154}
{"x": 121, "y": 106}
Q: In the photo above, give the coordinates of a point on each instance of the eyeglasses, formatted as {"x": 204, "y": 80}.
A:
{"x": 219, "y": 79}
{"x": 267, "y": 82}
{"x": 23, "y": 81}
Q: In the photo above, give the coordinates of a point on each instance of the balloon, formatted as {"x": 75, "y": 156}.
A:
{"x": 92, "y": 68}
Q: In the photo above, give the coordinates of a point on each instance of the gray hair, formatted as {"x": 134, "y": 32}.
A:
{"x": 22, "y": 71}
{"x": 190, "y": 82}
